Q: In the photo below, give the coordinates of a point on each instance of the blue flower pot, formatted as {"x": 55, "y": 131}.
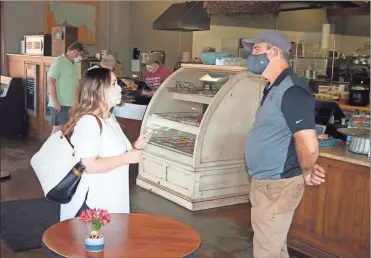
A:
{"x": 94, "y": 244}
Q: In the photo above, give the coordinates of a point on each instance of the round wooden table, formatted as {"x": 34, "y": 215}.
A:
{"x": 127, "y": 235}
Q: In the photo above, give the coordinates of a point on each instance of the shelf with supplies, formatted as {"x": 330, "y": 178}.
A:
{"x": 200, "y": 117}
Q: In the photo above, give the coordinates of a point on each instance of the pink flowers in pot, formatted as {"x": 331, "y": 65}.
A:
{"x": 97, "y": 217}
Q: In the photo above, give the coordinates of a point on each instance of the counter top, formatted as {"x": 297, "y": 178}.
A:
{"x": 130, "y": 111}
{"x": 352, "y": 108}
{"x": 341, "y": 153}
{"x": 31, "y": 55}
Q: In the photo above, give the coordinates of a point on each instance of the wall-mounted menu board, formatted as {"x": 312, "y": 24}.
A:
{"x": 32, "y": 88}
{"x": 46, "y": 94}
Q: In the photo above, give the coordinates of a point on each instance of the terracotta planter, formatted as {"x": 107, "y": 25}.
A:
{"x": 94, "y": 242}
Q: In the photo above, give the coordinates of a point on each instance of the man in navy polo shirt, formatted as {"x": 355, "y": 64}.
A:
{"x": 282, "y": 147}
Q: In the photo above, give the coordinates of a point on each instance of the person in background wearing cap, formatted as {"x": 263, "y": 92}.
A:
{"x": 108, "y": 62}
{"x": 282, "y": 147}
{"x": 63, "y": 79}
{"x": 156, "y": 73}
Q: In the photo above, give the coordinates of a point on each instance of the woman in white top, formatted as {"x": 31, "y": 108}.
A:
{"x": 107, "y": 153}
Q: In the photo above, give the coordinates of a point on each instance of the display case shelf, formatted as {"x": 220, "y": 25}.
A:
{"x": 208, "y": 171}
{"x": 196, "y": 98}
{"x": 159, "y": 120}
{"x": 188, "y": 118}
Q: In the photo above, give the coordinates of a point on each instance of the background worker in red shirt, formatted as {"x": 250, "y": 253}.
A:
{"x": 156, "y": 73}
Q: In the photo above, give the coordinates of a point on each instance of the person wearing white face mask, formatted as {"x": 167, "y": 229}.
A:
{"x": 104, "y": 150}
{"x": 155, "y": 74}
{"x": 63, "y": 80}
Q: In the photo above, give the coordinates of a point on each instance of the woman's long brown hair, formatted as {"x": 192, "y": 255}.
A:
{"x": 90, "y": 95}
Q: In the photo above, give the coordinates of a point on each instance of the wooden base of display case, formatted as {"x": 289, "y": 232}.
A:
{"x": 200, "y": 189}
{"x": 186, "y": 202}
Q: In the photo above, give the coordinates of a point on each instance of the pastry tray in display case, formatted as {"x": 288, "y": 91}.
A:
{"x": 173, "y": 140}
{"x": 188, "y": 118}
{"x": 182, "y": 144}
{"x": 211, "y": 84}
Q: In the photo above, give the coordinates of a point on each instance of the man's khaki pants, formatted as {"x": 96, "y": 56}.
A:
{"x": 273, "y": 205}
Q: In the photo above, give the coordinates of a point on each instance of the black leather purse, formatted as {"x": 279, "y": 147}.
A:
{"x": 63, "y": 192}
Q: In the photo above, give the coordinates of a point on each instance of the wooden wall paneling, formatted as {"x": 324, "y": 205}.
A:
{"x": 335, "y": 217}
{"x": 364, "y": 242}
{"x": 15, "y": 67}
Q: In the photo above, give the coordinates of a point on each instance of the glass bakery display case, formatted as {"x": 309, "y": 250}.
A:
{"x": 200, "y": 117}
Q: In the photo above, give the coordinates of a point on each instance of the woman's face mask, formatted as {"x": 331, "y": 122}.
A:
{"x": 113, "y": 96}
{"x": 258, "y": 63}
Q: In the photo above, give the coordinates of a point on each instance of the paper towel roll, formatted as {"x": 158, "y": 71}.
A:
{"x": 325, "y": 36}
{"x": 186, "y": 56}
{"x": 135, "y": 65}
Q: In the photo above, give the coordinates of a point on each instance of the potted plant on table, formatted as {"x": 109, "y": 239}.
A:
{"x": 98, "y": 218}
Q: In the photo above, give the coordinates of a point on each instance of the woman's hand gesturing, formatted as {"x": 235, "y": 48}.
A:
{"x": 142, "y": 141}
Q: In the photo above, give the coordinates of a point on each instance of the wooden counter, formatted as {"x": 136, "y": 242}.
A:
{"x": 131, "y": 128}
{"x": 341, "y": 153}
{"x": 39, "y": 126}
{"x": 333, "y": 219}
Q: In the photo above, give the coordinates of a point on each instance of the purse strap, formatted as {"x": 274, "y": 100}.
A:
{"x": 69, "y": 129}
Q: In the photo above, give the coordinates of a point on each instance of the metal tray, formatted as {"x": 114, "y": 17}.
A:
{"x": 184, "y": 145}
{"x": 355, "y": 132}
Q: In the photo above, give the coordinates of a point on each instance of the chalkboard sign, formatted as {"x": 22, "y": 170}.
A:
{"x": 30, "y": 85}
{"x": 32, "y": 91}
{"x": 47, "y": 115}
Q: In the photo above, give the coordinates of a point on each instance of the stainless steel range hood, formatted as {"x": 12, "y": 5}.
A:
{"x": 307, "y": 5}
{"x": 188, "y": 16}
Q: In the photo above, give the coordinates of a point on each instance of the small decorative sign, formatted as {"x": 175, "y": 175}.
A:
{"x": 32, "y": 88}
{"x": 33, "y": 45}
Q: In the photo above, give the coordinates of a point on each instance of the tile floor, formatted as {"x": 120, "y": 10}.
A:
{"x": 226, "y": 232}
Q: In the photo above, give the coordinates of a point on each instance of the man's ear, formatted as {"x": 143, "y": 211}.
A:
{"x": 273, "y": 53}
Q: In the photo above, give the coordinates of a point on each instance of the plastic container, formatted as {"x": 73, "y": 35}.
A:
{"x": 209, "y": 58}
{"x": 359, "y": 122}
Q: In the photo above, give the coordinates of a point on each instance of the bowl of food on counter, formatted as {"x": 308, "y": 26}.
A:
{"x": 209, "y": 58}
